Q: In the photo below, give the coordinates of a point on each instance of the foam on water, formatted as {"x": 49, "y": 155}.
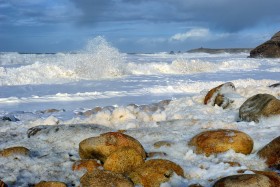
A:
{"x": 98, "y": 60}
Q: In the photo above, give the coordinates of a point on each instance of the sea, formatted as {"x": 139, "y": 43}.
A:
{"x": 152, "y": 96}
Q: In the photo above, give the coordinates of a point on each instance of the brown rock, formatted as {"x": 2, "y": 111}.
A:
{"x": 2, "y": 184}
{"x": 154, "y": 172}
{"x": 50, "y": 184}
{"x": 162, "y": 143}
{"x": 273, "y": 176}
{"x": 88, "y": 164}
{"x": 245, "y": 180}
{"x": 271, "y": 152}
{"x": 92, "y": 111}
{"x": 102, "y": 146}
{"x": 11, "y": 151}
{"x": 99, "y": 178}
{"x": 269, "y": 49}
{"x": 217, "y": 141}
{"x": 154, "y": 154}
{"x": 124, "y": 160}
{"x": 259, "y": 105}
{"x": 216, "y": 95}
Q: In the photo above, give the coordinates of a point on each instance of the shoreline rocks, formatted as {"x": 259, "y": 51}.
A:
{"x": 269, "y": 49}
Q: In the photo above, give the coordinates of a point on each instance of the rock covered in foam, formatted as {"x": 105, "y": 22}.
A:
{"x": 222, "y": 140}
{"x": 245, "y": 180}
{"x": 271, "y": 152}
{"x": 124, "y": 160}
{"x": 258, "y": 106}
{"x": 102, "y": 146}
{"x": 154, "y": 172}
{"x": 216, "y": 96}
{"x": 99, "y": 178}
{"x": 12, "y": 151}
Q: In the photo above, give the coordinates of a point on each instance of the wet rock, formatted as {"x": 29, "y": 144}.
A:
{"x": 222, "y": 140}
{"x": 156, "y": 154}
{"x": 92, "y": 111}
{"x": 11, "y": 118}
{"x": 216, "y": 96}
{"x": 102, "y": 146}
{"x": 271, "y": 152}
{"x": 50, "y": 184}
{"x": 99, "y": 178}
{"x": 274, "y": 85}
{"x": 12, "y": 151}
{"x": 2, "y": 184}
{"x": 154, "y": 172}
{"x": 258, "y": 106}
{"x": 245, "y": 180}
{"x": 88, "y": 164}
{"x": 162, "y": 143}
{"x": 124, "y": 160}
{"x": 269, "y": 49}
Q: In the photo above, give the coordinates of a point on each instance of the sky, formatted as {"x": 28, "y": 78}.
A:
{"x": 136, "y": 25}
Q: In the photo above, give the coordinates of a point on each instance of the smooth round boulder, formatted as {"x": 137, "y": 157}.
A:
{"x": 12, "y": 151}
{"x": 257, "y": 106}
{"x": 271, "y": 152}
{"x": 222, "y": 140}
{"x": 154, "y": 172}
{"x": 102, "y": 146}
{"x": 50, "y": 184}
{"x": 245, "y": 180}
{"x": 88, "y": 164}
{"x": 124, "y": 160}
{"x": 100, "y": 178}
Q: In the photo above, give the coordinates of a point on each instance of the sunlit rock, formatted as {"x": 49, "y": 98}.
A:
{"x": 222, "y": 140}
{"x": 13, "y": 151}
{"x": 154, "y": 172}
{"x": 123, "y": 160}
{"x": 50, "y": 184}
{"x": 88, "y": 164}
{"x": 100, "y": 178}
{"x": 102, "y": 146}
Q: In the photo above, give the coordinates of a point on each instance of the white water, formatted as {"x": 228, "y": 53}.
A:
{"x": 100, "y": 75}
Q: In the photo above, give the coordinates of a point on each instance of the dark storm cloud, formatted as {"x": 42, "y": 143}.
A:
{"x": 228, "y": 15}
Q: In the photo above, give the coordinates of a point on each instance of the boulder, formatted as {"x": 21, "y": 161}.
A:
{"x": 274, "y": 85}
{"x": 88, "y": 164}
{"x": 271, "y": 152}
{"x": 12, "y": 151}
{"x": 99, "y": 178}
{"x": 154, "y": 172}
{"x": 245, "y": 180}
{"x": 221, "y": 140}
{"x": 156, "y": 154}
{"x": 269, "y": 49}
{"x": 2, "y": 184}
{"x": 216, "y": 96}
{"x": 162, "y": 143}
{"x": 50, "y": 184}
{"x": 102, "y": 146}
{"x": 124, "y": 160}
{"x": 257, "y": 106}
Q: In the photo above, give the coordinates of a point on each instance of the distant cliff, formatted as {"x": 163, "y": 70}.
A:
{"x": 217, "y": 51}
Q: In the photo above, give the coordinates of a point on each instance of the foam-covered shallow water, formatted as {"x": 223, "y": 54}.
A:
{"x": 128, "y": 88}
